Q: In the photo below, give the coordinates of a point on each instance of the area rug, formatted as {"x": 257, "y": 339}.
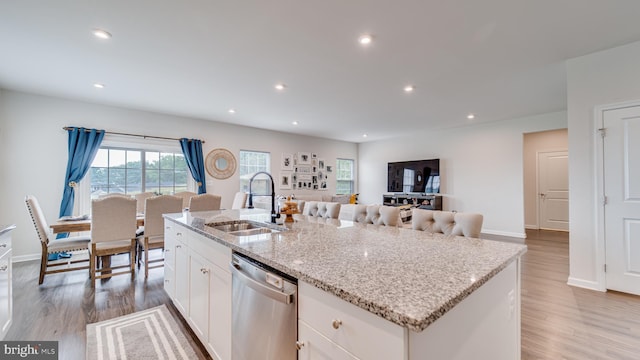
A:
{"x": 147, "y": 334}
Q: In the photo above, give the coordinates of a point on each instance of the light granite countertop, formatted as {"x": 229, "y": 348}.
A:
{"x": 6, "y": 228}
{"x": 408, "y": 277}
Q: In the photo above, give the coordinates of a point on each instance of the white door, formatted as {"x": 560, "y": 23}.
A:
{"x": 553, "y": 190}
{"x": 621, "y": 167}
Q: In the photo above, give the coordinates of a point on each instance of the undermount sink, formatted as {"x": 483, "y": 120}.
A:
{"x": 244, "y": 228}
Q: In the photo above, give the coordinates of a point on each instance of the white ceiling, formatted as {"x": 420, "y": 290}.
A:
{"x": 499, "y": 59}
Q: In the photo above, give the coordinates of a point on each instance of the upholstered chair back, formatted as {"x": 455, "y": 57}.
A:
{"x": 113, "y": 218}
{"x": 327, "y": 210}
{"x": 140, "y": 198}
{"x": 205, "y": 202}
{"x": 39, "y": 221}
{"x": 382, "y": 215}
{"x": 186, "y": 197}
{"x": 353, "y": 212}
{"x": 240, "y": 200}
{"x": 447, "y": 222}
{"x": 155, "y": 207}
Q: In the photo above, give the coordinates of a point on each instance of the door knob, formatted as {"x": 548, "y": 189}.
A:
{"x": 299, "y": 344}
{"x": 336, "y": 323}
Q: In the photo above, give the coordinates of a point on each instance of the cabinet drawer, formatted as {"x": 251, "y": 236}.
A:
{"x": 211, "y": 250}
{"x": 358, "y": 331}
{"x": 175, "y": 232}
{"x": 5, "y": 244}
{"x": 318, "y": 347}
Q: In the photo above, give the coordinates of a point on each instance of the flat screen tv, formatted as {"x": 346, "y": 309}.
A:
{"x": 419, "y": 176}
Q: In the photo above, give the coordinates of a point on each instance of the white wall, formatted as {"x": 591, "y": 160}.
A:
{"x": 480, "y": 166}
{"x": 34, "y": 151}
{"x": 553, "y": 140}
{"x": 605, "y": 77}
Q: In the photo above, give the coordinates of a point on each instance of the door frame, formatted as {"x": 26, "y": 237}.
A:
{"x": 598, "y": 141}
{"x": 538, "y": 202}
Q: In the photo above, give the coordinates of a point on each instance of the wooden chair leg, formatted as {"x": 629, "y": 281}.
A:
{"x": 43, "y": 266}
{"x": 92, "y": 268}
{"x": 132, "y": 260}
{"x": 146, "y": 258}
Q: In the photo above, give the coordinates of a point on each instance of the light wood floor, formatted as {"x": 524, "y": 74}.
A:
{"x": 558, "y": 321}
{"x": 64, "y": 304}
{"x": 564, "y": 322}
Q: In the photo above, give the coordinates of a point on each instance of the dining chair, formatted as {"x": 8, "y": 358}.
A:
{"x": 54, "y": 246}
{"x": 447, "y": 222}
{"x": 140, "y": 200}
{"x": 153, "y": 237}
{"x": 239, "y": 201}
{"x": 186, "y": 197}
{"x": 113, "y": 232}
{"x": 376, "y": 215}
{"x": 327, "y": 210}
{"x": 205, "y": 202}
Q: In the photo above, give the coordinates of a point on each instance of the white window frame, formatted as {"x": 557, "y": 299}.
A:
{"x": 82, "y": 203}
{"x": 353, "y": 175}
{"x": 267, "y": 169}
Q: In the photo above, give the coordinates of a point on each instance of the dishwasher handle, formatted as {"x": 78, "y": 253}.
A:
{"x": 236, "y": 271}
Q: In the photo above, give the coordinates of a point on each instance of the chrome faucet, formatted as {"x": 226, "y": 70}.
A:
{"x": 274, "y": 215}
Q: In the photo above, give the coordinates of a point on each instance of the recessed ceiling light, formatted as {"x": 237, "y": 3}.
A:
{"x": 364, "y": 135}
{"x": 98, "y": 86}
{"x": 280, "y": 86}
{"x": 232, "y": 111}
{"x": 295, "y": 123}
{"x": 409, "y": 88}
{"x": 102, "y": 34}
{"x": 471, "y": 116}
{"x": 365, "y": 39}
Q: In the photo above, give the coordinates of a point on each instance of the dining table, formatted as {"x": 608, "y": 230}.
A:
{"x": 65, "y": 226}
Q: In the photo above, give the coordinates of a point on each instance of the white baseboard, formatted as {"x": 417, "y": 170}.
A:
{"x": 585, "y": 284}
{"x": 22, "y": 258}
{"x": 505, "y": 233}
{"x": 531, "y": 227}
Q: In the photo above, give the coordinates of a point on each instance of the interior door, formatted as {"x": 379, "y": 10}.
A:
{"x": 621, "y": 150}
{"x": 553, "y": 190}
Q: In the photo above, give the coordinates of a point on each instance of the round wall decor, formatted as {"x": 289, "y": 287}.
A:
{"x": 220, "y": 163}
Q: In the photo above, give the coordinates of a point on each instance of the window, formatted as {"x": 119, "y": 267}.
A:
{"x": 250, "y": 163}
{"x": 344, "y": 176}
{"x": 132, "y": 171}
{"x": 407, "y": 181}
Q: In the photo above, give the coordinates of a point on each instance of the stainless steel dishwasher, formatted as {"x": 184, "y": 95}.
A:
{"x": 264, "y": 308}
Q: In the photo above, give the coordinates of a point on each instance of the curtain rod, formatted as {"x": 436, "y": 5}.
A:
{"x": 125, "y": 134}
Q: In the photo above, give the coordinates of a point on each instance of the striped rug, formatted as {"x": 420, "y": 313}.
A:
{"x": 147, "y": 334}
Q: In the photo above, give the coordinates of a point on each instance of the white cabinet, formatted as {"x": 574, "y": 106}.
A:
{"x": 181, "y": 277}
{"x": 346, "y": 326}
{"x": 220, "y": 313}
{"x": 485, "y": 325}
{"x": 169, "y": 260}
{"x": 317, "y": 347}
{"x": 6, "y": 290}
{"x": 202, "y": 290}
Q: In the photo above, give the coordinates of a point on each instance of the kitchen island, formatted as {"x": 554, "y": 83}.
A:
{"x": 394, "y": 292}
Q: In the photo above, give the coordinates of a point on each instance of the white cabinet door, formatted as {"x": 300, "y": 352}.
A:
{"x": 199, "y": 296}
{"x": 220, "y": 313}
{"x": 181, "y": 299}
{"x": 317, "y": 347}
{"x": 169, "y": 263}
{"x": 6, "y": 301}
